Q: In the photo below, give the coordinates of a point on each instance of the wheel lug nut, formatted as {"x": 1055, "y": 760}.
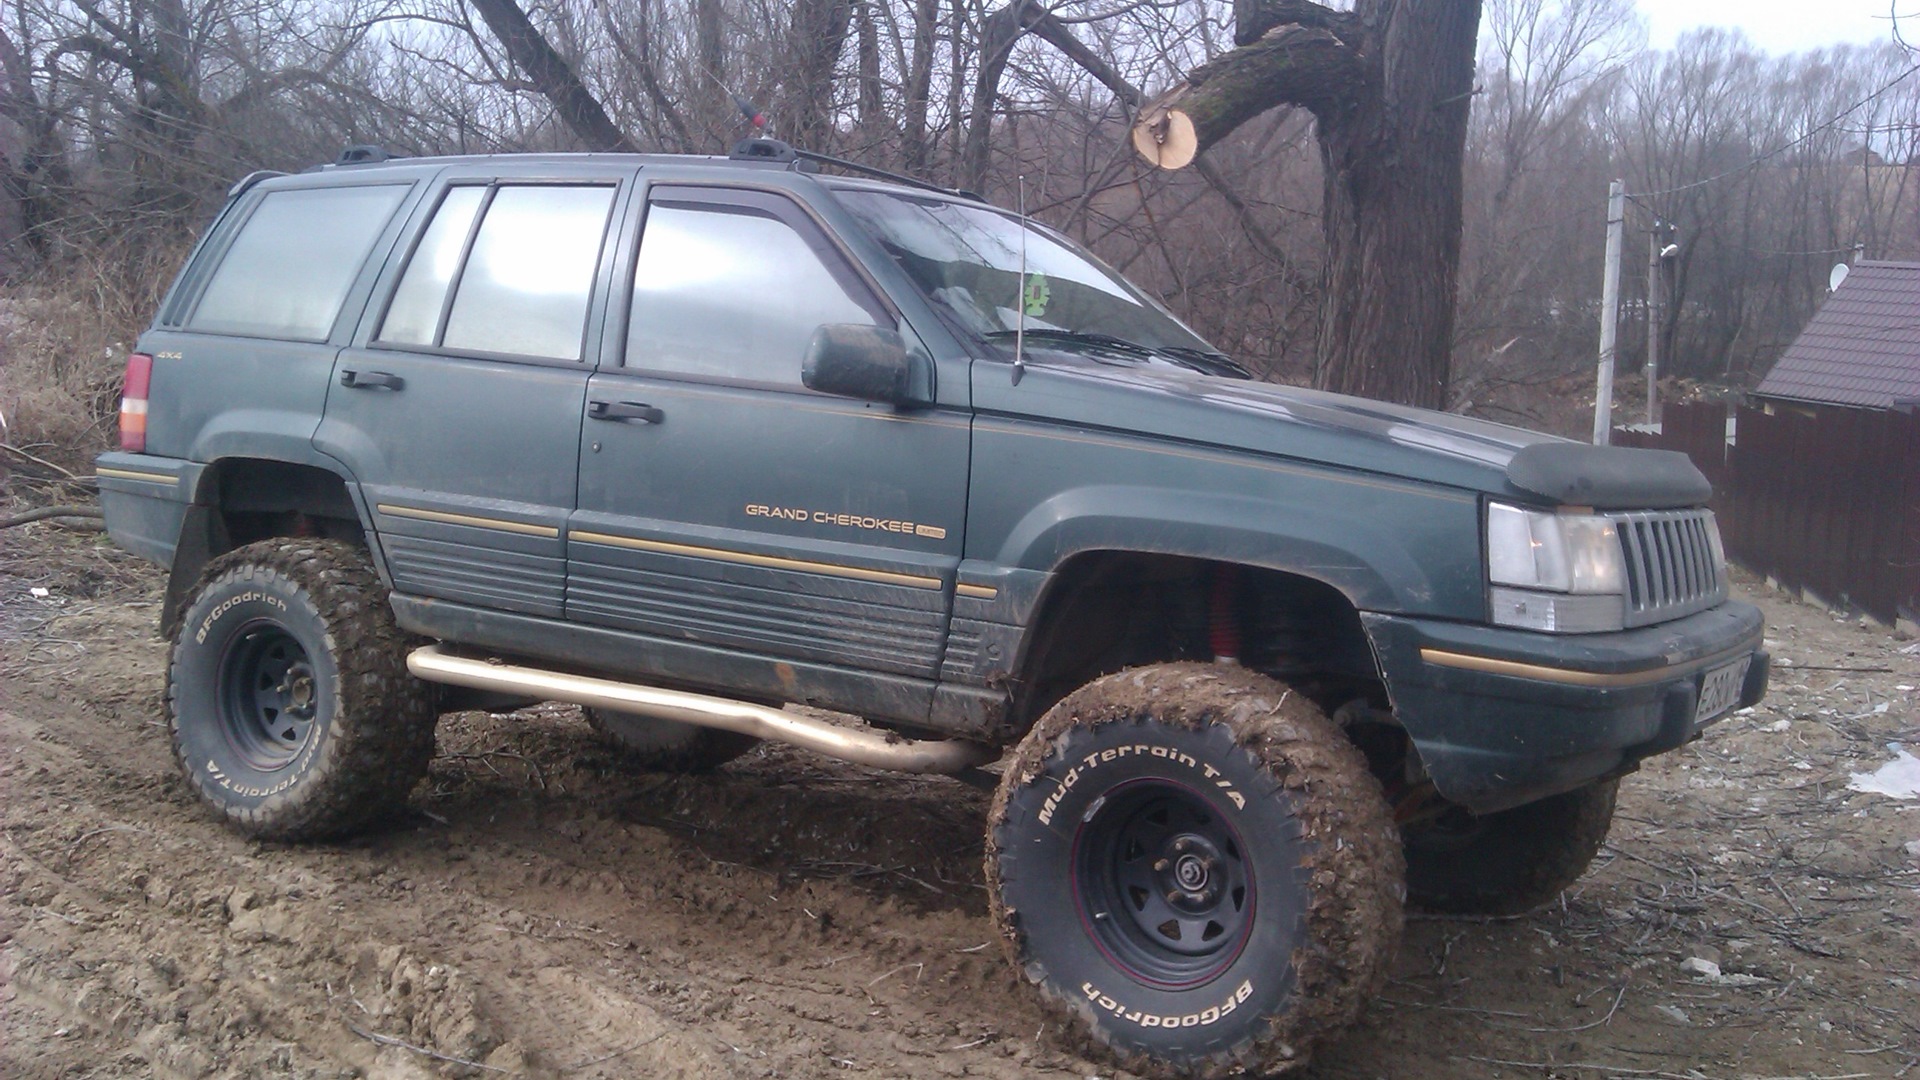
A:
{"x": 1161, "y": 866}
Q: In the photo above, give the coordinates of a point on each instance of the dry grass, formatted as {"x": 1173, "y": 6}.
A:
{"x": 64, "y": 338}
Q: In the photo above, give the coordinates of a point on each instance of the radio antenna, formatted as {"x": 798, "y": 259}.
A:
{"x": 1020, "y": 300}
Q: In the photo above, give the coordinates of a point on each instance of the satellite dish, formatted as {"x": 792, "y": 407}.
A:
{"x": 1839, "y": 275}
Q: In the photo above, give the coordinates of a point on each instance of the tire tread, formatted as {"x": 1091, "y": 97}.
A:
{"x": 381, "y": 739}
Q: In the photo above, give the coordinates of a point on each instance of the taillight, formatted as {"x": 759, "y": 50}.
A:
{"x": 133, "y": 403}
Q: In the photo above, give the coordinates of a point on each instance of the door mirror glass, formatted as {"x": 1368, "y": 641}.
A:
{"x": 859, "y": 361}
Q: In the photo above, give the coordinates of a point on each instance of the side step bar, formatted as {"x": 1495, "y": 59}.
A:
{"x": 881, "y": 750}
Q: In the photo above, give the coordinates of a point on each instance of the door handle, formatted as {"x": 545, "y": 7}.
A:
{"x": 625, "y": 410}
{"x": 369, "y": 380}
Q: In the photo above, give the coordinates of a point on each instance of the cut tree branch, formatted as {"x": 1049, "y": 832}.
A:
{"x": 1297, "y": 66}
{"x": 1253, "y": 18}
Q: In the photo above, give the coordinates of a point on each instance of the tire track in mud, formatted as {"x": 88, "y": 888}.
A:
{"x": 549, "y": 912}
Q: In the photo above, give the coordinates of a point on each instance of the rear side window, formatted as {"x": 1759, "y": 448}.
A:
{"x": 523, "y": 286}
{"x": 414, "y": 316}
{"x": 730, "y": 292}
{"x": 287, "y": 272}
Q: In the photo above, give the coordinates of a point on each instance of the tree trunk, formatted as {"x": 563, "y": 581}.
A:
{"x": 816, "y": 35}
{"x": 926, "y": 16}
{"x": 870, "y": 108}
{"x": 1390, "y": 85}
{"x": 555, "y": 78}
{"x": 712, "y": 112}
{"x": 1391, "y": 209}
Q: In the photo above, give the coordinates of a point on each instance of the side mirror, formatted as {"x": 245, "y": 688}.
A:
{"x": 858, "y": 361}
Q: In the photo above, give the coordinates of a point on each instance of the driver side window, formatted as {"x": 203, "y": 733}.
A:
{"x": 731, "y": 291}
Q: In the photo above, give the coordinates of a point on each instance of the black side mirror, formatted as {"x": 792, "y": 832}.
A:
{"x": 859, "y": 361}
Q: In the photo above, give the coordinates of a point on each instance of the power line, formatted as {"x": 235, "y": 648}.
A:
{"x": 1784, "y": 147}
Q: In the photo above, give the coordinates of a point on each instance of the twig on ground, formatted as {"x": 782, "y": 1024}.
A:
{"x": 12, "y": 449}
{"x": 654, "y": 1038}
{"x": 896, "y": 971}
{"x": 1614, "y": 1008}
{"x": 74, "y": 848}
{"x": 388, "y": 1040}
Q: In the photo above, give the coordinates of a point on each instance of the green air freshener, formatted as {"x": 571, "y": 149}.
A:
{"x": 1037, "y": 293}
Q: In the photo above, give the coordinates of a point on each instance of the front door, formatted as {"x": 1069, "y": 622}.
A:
{"x": 726, "y": 508}
{"x": 458, "y": 406}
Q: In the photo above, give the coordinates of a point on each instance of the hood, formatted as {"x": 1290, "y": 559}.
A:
{"x": 1334, "y": 429}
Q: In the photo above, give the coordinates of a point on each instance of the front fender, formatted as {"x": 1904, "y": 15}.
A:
{"x": 1371, "y": 567}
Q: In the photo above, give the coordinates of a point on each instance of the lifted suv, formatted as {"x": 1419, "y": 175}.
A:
{"x": 684, "y": 440}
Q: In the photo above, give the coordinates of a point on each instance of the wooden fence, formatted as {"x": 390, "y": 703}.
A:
{"x": 1821, "y": 499}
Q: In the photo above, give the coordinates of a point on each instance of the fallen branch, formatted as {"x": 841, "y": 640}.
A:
{"x": 93, "y": 513}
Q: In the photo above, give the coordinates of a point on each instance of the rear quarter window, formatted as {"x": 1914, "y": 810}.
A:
{"x": 288, "y": 271}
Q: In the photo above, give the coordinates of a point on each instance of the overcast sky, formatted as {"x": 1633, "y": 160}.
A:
{"x": 1782, "y": 26}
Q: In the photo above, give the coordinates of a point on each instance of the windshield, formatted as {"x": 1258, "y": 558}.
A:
{"x": 966, "y": 258}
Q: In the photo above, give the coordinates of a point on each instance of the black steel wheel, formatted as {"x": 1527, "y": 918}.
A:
{"x": 292, "y": 711}
{"x": 1194, "y": 869}
{"x": 1164, "y": 887}
{"x": 269, "y": 695}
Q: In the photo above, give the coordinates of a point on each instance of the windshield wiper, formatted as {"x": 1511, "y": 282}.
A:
{"x": 1077, "y": 337}
{"x": 1204, "y": 361}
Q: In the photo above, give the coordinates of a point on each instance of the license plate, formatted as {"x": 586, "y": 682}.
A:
{"x": 1720, "y": 689}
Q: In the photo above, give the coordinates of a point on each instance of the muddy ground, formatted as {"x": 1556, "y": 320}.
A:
{"x": 547, "y": 912}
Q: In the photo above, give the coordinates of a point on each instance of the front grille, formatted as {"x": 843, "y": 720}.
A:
{"x": 1671, "y": 567}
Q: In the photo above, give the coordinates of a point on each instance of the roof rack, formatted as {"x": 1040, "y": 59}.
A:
{"x": 775, "y": 150}
{"x": 362, "y": 154}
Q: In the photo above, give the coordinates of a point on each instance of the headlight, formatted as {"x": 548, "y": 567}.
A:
{"x": 1557, "y": 572}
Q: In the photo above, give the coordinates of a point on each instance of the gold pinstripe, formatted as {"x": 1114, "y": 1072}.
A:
{"x": 135, "y": 474}
{"x": 525, "y": 528}
{"x": 776, "y": 562}
{"x": 1571, "y": 676}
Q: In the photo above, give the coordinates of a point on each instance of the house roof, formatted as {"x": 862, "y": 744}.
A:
{"x": 1862, "y": 347}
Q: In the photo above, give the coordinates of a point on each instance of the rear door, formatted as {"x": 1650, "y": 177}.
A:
{"x": 722, "y": 503}
{"x": 458, "y": 405}
{"x": 269, "y": 300}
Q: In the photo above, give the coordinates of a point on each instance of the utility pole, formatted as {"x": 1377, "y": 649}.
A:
{"x": 1609, "y": 313}
{"x": 1654, "y": 237}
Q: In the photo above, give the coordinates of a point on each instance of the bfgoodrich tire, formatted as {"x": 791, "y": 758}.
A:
{"x": 668, "y": 745}
{"x": 1193, "y": 867}
{"x": 1509, "y": 862}
{"x": 293, "y": 715}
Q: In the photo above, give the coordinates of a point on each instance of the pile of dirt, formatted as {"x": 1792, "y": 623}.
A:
{"x": 547, "y": 911}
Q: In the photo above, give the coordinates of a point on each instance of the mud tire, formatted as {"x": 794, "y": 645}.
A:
{"x": 667, "y": 745}
{"x": 1314, "y": 843}
{"x": 312, "y": 615}
{"x": 1509, "y": 862}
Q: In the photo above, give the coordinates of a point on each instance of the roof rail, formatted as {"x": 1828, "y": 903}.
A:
{"x": 775, "y": 150}
{"x": 884, "y": 174}
{"x": 251, "y": 179}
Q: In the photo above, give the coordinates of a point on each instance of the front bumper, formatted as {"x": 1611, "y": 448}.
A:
{"x": 1503, "y": 717}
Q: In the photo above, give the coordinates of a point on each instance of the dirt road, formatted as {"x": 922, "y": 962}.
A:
{"x": 546, "y": 912}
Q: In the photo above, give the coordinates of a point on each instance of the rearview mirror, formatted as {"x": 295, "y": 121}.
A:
{"x": 859, "y": 361}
